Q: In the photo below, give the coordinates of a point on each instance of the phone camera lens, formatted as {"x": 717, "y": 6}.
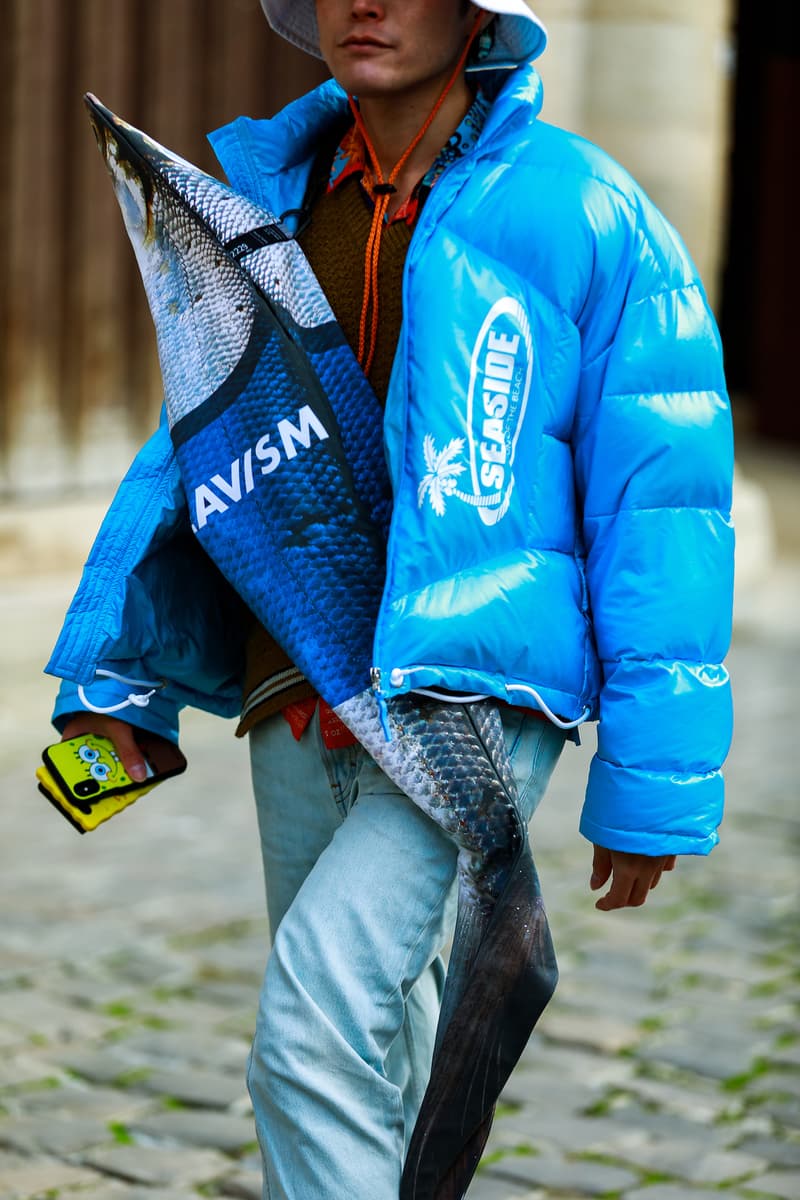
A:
{"x": 87, "y": 787}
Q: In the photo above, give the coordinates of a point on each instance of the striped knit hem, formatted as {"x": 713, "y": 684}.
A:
{"x": 271, "y": 695}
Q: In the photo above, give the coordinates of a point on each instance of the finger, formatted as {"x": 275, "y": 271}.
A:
{"x": 618, "y": 893}
{"x": 670, "y": 861}
{"x": 119, "y": 732}
{"x": 129, "y": 753}
{"x": 131, "y": 756}
{"x": 654, "y": 880}
{"x": 601, "y": 867}
{"x": 639, "y": 892}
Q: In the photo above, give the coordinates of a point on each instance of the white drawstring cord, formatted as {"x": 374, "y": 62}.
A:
{"x": 451, "y": 697}
{"x": 135, "y": 699}
{"x": 548, "y": 712}
{"x": 398, "y": 675}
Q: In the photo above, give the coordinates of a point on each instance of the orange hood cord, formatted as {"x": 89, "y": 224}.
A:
{"x": 384, "y": 189}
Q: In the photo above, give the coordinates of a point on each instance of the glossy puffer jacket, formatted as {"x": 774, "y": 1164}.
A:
{"x": 559, "y": 441}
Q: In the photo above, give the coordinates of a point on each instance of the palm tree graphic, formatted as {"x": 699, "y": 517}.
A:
{"x": 443, "y": 469}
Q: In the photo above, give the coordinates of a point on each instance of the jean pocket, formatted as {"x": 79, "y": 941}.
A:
{"x": 342, "y": 768}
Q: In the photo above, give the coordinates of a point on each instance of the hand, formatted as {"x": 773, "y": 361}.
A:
{"x": 121, "y": 734}
{"x": 632, "y": 876}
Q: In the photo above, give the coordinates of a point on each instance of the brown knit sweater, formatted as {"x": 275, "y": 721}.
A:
{"x": 335, "y": 244}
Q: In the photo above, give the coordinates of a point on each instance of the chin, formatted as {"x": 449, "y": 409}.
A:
{"x": 365, "y": 78}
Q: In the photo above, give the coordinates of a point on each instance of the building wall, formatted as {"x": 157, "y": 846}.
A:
{"x": 650, "y": 81}
{"x": 79, "y": 381}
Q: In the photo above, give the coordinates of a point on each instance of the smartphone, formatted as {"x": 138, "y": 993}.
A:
{"x": 85, "y": 780}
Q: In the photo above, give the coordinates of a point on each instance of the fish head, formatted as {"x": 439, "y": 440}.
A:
{"x": 179, "y": 220}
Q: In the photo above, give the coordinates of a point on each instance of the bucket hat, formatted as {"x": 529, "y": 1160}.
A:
{"x": 519, "y": 34}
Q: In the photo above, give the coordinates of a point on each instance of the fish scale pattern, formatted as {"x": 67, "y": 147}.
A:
{"x": 306, "y": 558}
{"x": 295, "y": 304}
{"x": 470, "y": 792}
{"x": 280, "y": 270}
{"x": 283, "y": 466}
{"x": 295, "y": 509}
{"x": 360, "y": 422}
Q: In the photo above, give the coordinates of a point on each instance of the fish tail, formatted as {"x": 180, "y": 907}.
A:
{"x": 453, "y": 1185}
{"x": 512, "y": 977}
{"x": 472, "y": 923}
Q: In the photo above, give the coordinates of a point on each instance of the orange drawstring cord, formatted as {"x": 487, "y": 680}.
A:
{"x": 384, "y": 190}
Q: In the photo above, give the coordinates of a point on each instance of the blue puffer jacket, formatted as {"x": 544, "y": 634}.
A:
{"x": 560, "y": 448}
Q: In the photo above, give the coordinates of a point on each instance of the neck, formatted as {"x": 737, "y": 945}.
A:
{"x": 393, "y": 123}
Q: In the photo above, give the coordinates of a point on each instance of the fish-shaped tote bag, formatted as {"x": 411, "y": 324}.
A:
{"x": 278, "y": 437}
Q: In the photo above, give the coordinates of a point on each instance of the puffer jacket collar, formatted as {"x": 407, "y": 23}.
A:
{"x": 270, "y": 160}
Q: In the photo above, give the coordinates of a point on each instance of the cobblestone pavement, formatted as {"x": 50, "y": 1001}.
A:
{"x": 667, "y": 1067}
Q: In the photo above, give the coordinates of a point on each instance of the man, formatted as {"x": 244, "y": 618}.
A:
{"x": 474, "y": 256}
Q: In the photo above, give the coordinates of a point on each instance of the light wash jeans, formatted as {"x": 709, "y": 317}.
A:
{"x": 361, "y": 901}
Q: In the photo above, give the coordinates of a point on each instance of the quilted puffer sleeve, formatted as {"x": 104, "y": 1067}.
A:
{"x": 151, "y": 606}
{"x": 654, "y": 462}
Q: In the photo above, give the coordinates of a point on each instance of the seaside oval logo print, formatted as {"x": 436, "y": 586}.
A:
{"x": 499, "y": 387}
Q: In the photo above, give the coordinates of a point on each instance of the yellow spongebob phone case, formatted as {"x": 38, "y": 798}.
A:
{"x": 85, "y": 780}
{"x": 89, "y": 816}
